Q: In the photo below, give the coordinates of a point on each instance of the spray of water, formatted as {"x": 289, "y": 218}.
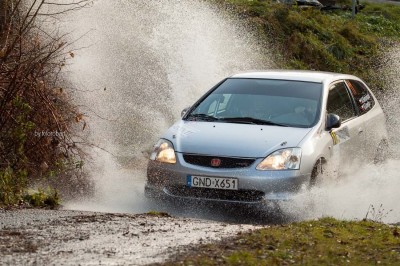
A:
{"x": 370, "y": 191}
{"x": 147, "y": 60}
{"x": 143, "y": 63}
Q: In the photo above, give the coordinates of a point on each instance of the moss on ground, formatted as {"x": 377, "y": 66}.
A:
{"x": 323, "y": 242}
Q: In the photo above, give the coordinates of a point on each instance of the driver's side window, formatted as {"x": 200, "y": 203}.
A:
{"x": 219, "y": 104}
{"x": 339, "y": 102}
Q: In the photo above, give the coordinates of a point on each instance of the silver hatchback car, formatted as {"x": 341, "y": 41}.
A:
{"x": 266, "y": 136}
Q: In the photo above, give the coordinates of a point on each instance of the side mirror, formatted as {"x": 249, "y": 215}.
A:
{"x": 333, "y": 121}
{"x": 184, "y": 111}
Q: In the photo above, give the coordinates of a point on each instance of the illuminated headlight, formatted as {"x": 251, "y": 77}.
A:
{"x": 163, "y": 152}
{"x": 286, "y": 159}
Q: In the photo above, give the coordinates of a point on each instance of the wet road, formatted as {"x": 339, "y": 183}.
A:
{"x": 48, "y": 237}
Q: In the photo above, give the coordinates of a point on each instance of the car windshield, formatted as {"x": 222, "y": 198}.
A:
{"x": 261, "y": 101}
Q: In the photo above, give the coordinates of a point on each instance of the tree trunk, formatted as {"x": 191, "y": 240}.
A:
{"x": 3, "y": 14}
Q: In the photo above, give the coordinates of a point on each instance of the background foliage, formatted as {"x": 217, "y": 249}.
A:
{"x": 309, "y": 38}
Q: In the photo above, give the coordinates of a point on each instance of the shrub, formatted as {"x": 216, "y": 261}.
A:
{"x": 37, "y": 120}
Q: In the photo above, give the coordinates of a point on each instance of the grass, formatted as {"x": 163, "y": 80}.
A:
{"x": 323, "y": 242}
{"x": 321, "y": 40}
{"x": 48, "y": 198}
{"x": 158, "y": 214}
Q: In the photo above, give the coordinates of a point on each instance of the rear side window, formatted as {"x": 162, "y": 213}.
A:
{"x": 339, "y": 101}
{"x": 362, "y": 96}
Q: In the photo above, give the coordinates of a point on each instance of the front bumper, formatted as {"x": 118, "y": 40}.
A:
{"x": 169, "y": 181}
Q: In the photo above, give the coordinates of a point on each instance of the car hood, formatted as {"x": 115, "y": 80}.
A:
{"x": 232, "y": 139}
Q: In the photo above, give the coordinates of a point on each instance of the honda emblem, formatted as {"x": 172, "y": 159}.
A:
{"x": 215, "y": 162}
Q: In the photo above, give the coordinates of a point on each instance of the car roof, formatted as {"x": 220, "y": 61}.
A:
{"x": 298, "y": 75}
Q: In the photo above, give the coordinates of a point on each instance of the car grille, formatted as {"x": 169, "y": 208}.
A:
{"x": 216, "y": 194}
{"x": 225, "y": 162}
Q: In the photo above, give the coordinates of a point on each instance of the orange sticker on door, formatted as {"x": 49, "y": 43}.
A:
{"x": 340, "y": 136}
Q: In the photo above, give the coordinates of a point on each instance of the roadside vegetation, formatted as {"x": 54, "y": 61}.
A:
{"x": 38, "y": 147}
{"x": 323, "y": 242}
{"x": 308, "y": 38}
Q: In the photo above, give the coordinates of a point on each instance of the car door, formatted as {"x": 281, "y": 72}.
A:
{"x": 348, "y": 140}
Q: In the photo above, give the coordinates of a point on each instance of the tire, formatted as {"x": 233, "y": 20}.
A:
{"x": 317, "y": 171}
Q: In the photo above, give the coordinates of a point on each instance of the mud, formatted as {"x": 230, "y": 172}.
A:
{"x": 57, "y": 237}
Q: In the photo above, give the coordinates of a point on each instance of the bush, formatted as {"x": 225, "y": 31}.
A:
{"x": 37, "y": 120}
{"x": 43, "y": 198}
{"x": 12, "y": 186}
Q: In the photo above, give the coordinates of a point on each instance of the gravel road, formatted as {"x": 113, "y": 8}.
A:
{"x": 49, "y": 237}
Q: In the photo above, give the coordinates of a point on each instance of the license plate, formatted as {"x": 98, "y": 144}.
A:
{"x": 212, "y": 182}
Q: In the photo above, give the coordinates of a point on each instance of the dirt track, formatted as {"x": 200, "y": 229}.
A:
{"x": 46, "y": 237}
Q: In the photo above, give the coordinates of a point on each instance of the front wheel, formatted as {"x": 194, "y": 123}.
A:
{"x": 317, "y": 172}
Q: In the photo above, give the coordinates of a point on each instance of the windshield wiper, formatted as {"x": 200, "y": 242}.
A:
{"x": 201, "y": 117}
{"x": 251, "y": 120}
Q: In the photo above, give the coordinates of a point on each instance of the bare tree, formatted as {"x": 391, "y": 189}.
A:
{"x": 3, "y": 14}
{"x": 37, "y": 120}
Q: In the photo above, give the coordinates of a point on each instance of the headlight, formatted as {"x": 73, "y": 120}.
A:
{"x": 282, "y": 160}
{"x": 163, "y": 152}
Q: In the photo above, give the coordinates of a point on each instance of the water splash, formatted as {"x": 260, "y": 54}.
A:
{"x": 361, "y": 188}
{"x": 143, "y": 63}
{"x": 148, "y": 60}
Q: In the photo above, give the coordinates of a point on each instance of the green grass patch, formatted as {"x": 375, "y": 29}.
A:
{"x": 48, "y": 198}
{"x": 158, "y": 214}
{"x": 308, "y": 38}
{"x": 12, "y": 186}
{"x": 13, "y": 191}
{"x": 323, "y": 242}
